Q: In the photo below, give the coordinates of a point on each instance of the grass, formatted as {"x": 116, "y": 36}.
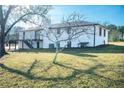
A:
{"x": 89, "y": 67}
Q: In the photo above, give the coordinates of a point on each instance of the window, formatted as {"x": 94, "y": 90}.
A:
{"x": 82, "y": 44}
{"x": 104, "y": 32}
{"x": 37, "y": 35}
{"x": 58, "y": 30}
{"x": 100, "y": 31}
{"x": 68, "y": 30}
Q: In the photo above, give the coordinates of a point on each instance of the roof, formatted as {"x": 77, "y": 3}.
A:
{"x": 32, "y": 29}
{"x": 65, "y": 25}
{"x": 72, "y": 24}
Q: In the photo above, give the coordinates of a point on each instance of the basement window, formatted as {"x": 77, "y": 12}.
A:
{"x": 51, "y": 45}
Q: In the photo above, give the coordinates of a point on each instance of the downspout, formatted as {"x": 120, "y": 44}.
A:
{"x": 107, "y": 37}
{"x": 94, "y": 40}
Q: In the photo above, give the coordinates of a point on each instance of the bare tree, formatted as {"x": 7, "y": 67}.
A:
{"x": 70, "y": 27}
{"x": 11, "y": 15}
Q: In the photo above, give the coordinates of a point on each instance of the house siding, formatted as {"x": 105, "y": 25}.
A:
{"x": 100, "y": 39}
{"x": 92, "y": 37}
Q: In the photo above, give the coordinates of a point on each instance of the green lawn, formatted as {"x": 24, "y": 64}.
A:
{"x": 89, "y": 67}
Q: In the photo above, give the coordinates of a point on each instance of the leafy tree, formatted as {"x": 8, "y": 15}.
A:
{"x": 116, "y": 32}
{"x": 113, "y": 33}
{"x": 121, "y": 30}
{"x": 112, "y": 27}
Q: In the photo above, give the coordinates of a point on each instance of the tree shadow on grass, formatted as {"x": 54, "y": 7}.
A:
{"x": 19, "y": 72}
{"x": 80, "y": 54}
{"x": 75, "y": 73}
{"x": 76, "y": 52}
{"x": 110, "y": 48}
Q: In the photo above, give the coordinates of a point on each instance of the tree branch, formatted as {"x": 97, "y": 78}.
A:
{"x": 19, "y": 20}
{"x": 7, "y": 14}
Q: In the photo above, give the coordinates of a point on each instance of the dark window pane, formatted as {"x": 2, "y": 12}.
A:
{"x": 100, "y": 31}
{"x": 58, "y": 30}
{"x": 68, "y": 30}
{"x": 104, "y": 32}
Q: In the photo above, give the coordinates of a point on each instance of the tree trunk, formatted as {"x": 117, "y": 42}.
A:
{"x": 57, "y": 52}
{"x": 2, "y": 33}
{"x": 2, "y": 47}
{"x": 55, "y": 57}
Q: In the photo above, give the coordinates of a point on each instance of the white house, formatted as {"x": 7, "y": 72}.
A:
{"x": 95, "y": 35}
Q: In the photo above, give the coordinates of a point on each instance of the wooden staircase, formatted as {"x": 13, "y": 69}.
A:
{"x": 27, "y": 42}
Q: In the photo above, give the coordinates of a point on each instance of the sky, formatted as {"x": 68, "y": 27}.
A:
{"x": 112, "y": 14}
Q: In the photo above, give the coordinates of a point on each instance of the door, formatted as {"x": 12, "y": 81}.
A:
{"x": 69, "y": 44}
{"x": 38, "y": 44}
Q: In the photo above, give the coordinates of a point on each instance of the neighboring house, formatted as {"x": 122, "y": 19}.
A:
{"x": 33, "y": 38}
